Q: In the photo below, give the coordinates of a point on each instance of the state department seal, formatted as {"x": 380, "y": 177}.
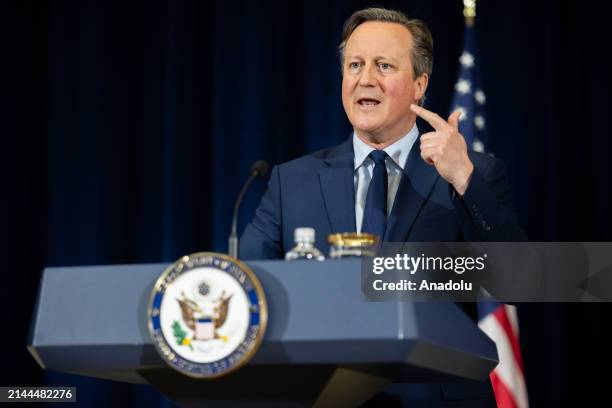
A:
{"x": 207, "y": 314}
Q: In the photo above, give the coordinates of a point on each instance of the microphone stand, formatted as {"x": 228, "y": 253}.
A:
{"x": 233, "y": 238}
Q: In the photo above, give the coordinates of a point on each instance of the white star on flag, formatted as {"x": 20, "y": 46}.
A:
{"x": 477, "y": 146}
{"x": 463, "y": 112}
{"x": 463, "y": 86}
{"x": 480, "y": 96}
{"x": 466, "y": 59}
{"x": 479, "y": 122}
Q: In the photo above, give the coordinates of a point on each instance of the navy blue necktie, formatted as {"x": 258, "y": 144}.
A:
{"x": 375, "y": 211}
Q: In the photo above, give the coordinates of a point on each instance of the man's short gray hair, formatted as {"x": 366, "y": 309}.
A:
{"x": 421, "y": 54}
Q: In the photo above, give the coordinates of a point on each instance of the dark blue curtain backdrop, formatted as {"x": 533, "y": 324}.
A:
{"x": 128, "y": 128}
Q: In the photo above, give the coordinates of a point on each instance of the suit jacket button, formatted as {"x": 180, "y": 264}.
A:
{"x": 485, "y": 226}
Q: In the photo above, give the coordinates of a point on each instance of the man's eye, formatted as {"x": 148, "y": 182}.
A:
{"x": 384, "y": 66}
{"x": 353, "y": 65}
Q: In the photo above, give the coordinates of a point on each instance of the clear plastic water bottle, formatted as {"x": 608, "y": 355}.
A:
{"x": 304, "y": 246}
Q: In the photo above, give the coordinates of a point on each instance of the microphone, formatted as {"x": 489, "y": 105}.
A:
{"x": 259, "y": 169}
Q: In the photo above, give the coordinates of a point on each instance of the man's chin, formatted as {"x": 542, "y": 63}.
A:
{"x": 366, "y": 126}
{"x": 369, "y": 134}
{"x": 365, "y": 132}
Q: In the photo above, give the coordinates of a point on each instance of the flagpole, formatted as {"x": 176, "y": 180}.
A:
{"x": 469, "y": 12}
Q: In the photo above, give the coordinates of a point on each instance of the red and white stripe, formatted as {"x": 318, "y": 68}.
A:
{"x": 508, "y": 378}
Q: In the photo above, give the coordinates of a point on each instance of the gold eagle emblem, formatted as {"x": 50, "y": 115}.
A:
{"x": 189, "y": 309}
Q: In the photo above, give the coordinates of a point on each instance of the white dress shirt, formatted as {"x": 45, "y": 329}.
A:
{"x": 364, "y": 166}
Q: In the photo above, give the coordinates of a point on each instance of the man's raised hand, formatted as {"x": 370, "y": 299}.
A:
{"x": 445, "y": 148}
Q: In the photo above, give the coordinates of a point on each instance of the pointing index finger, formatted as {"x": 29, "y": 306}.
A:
{"x": 432, "y": 118}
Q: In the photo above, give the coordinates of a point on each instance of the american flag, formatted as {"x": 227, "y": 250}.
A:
{"x": 497, "y": 320}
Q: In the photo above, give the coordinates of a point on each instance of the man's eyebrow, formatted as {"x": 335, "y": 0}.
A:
{"x": 384, "y": 58}
{"x": 376, "y": 58}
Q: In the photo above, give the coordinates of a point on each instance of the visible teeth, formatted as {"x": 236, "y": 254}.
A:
{"x": 368, "y": 103}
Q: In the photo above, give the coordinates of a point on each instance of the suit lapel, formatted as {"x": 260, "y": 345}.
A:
{"x": 416, "y": 184}
{"x": 338, "y": 188}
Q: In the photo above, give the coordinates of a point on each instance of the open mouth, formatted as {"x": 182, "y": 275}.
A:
{"x": 368, "y": 102}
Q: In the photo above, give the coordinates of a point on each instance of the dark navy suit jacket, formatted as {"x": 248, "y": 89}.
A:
{"x": 317, "y": 190}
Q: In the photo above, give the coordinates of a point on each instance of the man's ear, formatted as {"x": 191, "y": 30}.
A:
{"x": 420, "y": 86}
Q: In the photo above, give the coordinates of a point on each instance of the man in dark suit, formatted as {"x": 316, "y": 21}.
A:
{"x": 388, "y": 178}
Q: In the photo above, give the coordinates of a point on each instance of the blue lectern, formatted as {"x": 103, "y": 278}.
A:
{"x": 325, "y": 345}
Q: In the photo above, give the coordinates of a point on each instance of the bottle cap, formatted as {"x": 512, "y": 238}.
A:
{"x": 306, "y": 235}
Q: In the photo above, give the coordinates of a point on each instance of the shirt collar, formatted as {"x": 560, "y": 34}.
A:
{"x": 398, "y": 151}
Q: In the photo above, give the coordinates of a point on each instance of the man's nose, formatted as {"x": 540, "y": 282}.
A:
{"x": 368, "y": 76}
